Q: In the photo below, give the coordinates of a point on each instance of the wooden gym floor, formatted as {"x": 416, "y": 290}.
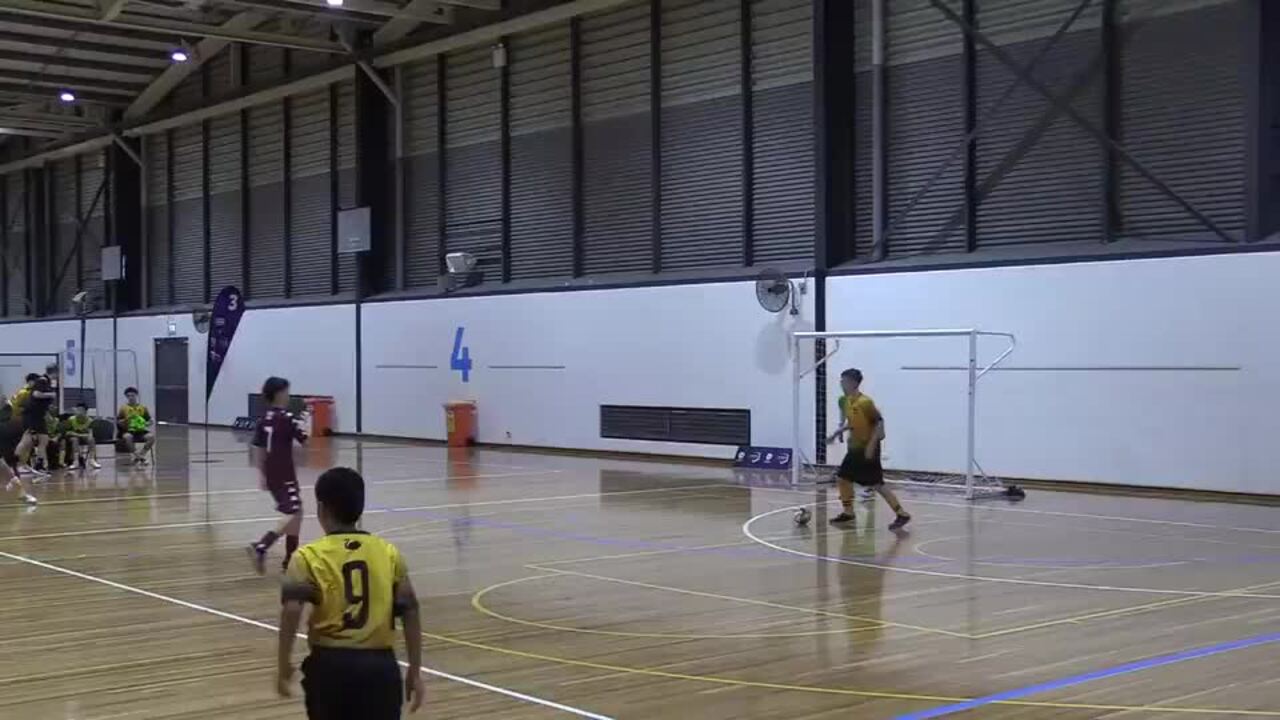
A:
{"x": 564, "y": 586}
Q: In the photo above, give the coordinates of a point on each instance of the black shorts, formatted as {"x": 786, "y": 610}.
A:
{"x": 342, "y": 684}
{"x": 139, "y": 435}
{"x": 10, "y": 435}
{"x": 35, "y": 424}
{"x": 858, "y": 469}
{"x": 287, "y": 496}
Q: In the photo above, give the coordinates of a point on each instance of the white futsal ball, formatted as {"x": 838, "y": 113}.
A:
{"x": 802, "y": 517}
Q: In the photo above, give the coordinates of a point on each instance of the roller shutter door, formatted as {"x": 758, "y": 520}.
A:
{"x": 783, "y": 130}
{"x": 617, "y": 141}
{"x": 422, "y": 174}
{"x": 702, "y": 208}
{"x": 473, "y": 159}
{"x": 541, "y": 155}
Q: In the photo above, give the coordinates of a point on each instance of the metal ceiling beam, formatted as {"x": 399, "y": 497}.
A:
{"x": 59, "y": 22}
{"x": 479, "y": 36}
{"x": 384, "y": 9}
{"x": 397, "y": 28}
{"x": 73, "y": 82}
{"x": 62, "y": 61}
{"x": 492, "y": 5}
{"x": 7, "y": 129}
{"x": 153, "y": 58}
{"x": 111, "y": 9}
{"x": 284, "y": 6}
{"x": 169, "y": 28}
{"x": 34, "y": 92}
{"x": 149, "y": 98}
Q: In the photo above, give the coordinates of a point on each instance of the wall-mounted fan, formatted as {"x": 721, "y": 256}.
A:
{"x": 775, "y": 292}
{"x": 200, "y": 318}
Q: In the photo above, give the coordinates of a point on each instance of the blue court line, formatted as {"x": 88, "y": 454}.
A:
{"x": 1138, "y": 666}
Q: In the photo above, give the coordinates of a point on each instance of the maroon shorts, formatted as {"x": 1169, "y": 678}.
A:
{"x": 286, "y": 494}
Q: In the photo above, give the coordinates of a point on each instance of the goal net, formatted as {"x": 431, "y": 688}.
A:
{"x": 926, "y": 382}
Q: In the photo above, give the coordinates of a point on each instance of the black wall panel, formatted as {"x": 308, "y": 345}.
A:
{"x": 473, "y": 159}
{"x": 617, "y": 139}
{"x": 422, "y": 174}
{"x": 310, "y": 195}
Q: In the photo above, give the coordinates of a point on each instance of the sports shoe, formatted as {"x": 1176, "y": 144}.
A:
{"x": 258, "y": 558}
{"x": 842, "y": 518}
{"x": 95, "y": 464}
{"x": 10, "y": 485}
{"x": 866, "y": 495}
{"x": 899, "y": 522}
{"x": 30, "y": 500}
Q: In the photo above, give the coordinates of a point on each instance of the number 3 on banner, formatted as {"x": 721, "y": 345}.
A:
{"x": 460, "y": 360}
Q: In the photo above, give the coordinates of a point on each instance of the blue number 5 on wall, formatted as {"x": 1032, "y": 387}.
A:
{"x": 460, "y": 360}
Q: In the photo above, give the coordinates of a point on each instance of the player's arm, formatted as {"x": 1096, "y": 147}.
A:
{"x": 877, "y": 434}
{"x": 406, "y": 606}
{"x": 295, "y": 593}
{"x": 838, "y": 435}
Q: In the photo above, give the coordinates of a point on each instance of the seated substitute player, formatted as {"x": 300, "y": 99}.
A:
{"x": 35, "y": 410}
{"x": 865, "y": 425}
{"x": 358, "y": 584}
{"x": 133, "y": 425}
{"x": 10, "y": 434}
{"x": 78, "y": 431}
{"x": 273, "y": 444}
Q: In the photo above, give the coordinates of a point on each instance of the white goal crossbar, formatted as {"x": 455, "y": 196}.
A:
{"x": 975, "y": 481}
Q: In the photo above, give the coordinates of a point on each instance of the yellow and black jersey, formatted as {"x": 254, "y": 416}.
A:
{"x": 862, "y": 415}
{"x": 134, "y": 418}
{"x": 351, "y": 579}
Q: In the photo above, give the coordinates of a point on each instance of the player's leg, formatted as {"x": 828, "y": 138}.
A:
{"x": 42, "y": 449}
{"x": 289, "y": 505}
{"x": 384, "y": 689}
{"x": 92, "y": 443}
{"x": 876, "y": 482}
{"x": 11, "y": 481}
{"x": 148, "y": 442}
{"x": 845, "y": 477}
{"x": 324, "y": 686}
{"x": 292, "y": 529}
{"x": 26, "y": 443}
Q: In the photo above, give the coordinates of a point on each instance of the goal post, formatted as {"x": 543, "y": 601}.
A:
{"x": 973, "y": 481}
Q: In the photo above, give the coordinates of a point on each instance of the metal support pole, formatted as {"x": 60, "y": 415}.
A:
{"x": 879, "y": 129}
{"x": 796, "y": 453}
{"x": 971, "y": 448}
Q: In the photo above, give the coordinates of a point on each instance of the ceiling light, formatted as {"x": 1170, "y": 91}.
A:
{"x": 67, "y": 96}
{"x": 179, "y": 55}
{"x": 334, "y": 3}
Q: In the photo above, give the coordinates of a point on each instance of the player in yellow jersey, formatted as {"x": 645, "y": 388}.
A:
{"x": 78, "y": 431}
{"x": 357, "y": 584}
{"x": 865, "y": 426}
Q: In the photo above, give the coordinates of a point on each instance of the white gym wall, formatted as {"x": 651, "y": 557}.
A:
{"x": 1159, "y": 372}
{"x": 707, "y": 346}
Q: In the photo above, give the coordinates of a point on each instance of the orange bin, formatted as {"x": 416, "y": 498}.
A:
{"x": 460, "y": 423}
{"x": 320, "y": 409}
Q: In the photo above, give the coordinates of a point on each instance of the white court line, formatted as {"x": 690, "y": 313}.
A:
{"x": 375, "y": 511}
{"x": 746, "y": 530}
{"x": 242, "y": 491}
{"x": 247, "y": 621}
{"x": 996, "y": 508}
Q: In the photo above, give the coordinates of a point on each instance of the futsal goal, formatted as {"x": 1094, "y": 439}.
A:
{"x": 941, "y": 400}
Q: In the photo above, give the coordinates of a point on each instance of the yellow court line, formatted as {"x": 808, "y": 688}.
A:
{"x": 747, "y": 601}
{"x": 477, "y": 602}
{"x": 1118, "y": 611}
{"x": 717, "y": 680}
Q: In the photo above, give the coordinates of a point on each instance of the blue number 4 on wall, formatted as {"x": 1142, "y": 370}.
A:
{"x": 460, "y": 360}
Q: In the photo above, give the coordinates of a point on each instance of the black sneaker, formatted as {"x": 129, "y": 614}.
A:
{"x": 258, "y": 558}
{"x": 842, "y": 518}
{"x": 899, "y": 522}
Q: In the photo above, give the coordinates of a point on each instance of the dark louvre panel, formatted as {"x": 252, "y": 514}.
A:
{"x": 702, "y": 221}
{"x": 62, "y": 235}
{"x": 926, "y": 123}
{"x": 310, "y": 205}
{"x": 782, "y": 97}
{"x": 422, "y": 158}
{"x": 541, "y": 155}
{"x": 346, "y": 132}
{"x": 473, "y": 159}
{"x": 265, "y": 66}
{"x": 225, "y": 226}
{"x": 266, "y": 201}
{"x": 188, "y": 226}
{"x": 16, "y": 256}
{"x": 1052, "y": 194}
{"x": 1184, "y": 100}
{"x": 685, "y": 425}
{"x": 221, "y": 79}
{"x": 156, "y": 177}
{"x": 863, "y": 222}
{"x": 617, "y": 141}
{"x": 89, "y": 275}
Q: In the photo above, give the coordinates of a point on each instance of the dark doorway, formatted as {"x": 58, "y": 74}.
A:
{"x": 172, "y": 399}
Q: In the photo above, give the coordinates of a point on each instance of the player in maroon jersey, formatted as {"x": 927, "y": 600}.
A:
{"x": 273, "y": 446}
